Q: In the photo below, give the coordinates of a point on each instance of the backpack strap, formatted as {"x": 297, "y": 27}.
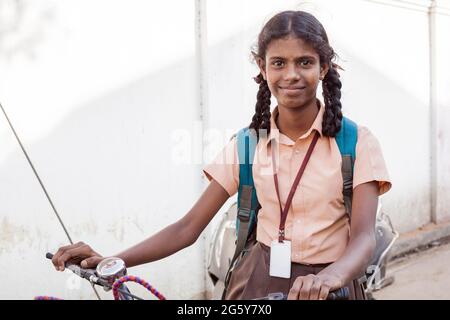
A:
{"x": 247, "y": 202}
{"x": 346, "y": 140}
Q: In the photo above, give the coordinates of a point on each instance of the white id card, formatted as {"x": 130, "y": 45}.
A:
{"x": 280, "y": 259}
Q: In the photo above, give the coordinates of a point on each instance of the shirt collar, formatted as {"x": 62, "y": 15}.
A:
{"x": 283, "y": 139}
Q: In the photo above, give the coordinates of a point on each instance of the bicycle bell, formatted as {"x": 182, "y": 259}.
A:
{"x": 110, "y": 269}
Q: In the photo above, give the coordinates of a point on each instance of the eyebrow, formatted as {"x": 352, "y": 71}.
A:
{"x": 299, "y": 58}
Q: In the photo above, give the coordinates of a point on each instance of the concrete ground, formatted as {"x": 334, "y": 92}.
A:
{"x": 423, "y": 275}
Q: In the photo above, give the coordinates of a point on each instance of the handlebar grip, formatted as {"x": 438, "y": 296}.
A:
{"x": 339, "y": 294}
{"x": 49, "y": 256}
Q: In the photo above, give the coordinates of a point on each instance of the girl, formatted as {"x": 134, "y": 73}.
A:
{"x": 326, "y": 251}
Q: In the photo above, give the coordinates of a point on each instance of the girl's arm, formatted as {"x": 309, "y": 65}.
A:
{"x": 357, "y": 254}
{"x": 169, "y": 240}
{"x": 361, "y": 246}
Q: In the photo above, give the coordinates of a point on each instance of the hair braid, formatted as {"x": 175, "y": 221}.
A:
{"x": 261, "y": 118}
{"x": 332, "y": 117}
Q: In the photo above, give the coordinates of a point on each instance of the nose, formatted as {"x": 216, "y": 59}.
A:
{"x": 292, "y": 73}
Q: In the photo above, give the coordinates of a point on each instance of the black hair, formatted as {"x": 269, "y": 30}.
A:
{"x": 305, "y": 26}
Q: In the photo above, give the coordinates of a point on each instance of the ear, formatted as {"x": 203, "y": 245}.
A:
{"x": 324, "y": 70}
{"x": 261, "y": 64}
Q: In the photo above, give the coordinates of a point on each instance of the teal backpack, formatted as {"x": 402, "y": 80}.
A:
{"x": 247, "y": 202}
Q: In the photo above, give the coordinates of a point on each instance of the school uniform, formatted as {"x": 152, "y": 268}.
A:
{"x": 317, "y": 223}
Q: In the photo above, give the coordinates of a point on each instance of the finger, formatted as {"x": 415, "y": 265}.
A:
{"x": 306, "y": 288}
{"x": 293, "y": 293}
{"x": 61, "y": 251}
{"x": 73, "y": 255}
{"x": 315, "y": 289}
{"x": 58, "y": 253}
{"x": 91, "y": 262}
{"x": 324, "y": 291}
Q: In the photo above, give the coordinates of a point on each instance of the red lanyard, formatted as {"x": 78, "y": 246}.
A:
{"x": 283, "y": 213}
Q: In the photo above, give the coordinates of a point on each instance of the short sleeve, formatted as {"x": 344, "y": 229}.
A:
{"x": 369, "y": 163}
{"x": 225, "y": 168}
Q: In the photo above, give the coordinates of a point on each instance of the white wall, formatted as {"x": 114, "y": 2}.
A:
{"x": 96, "y": 105}
{"x": 110, "y": 98}
{"x": 440, "y": 110}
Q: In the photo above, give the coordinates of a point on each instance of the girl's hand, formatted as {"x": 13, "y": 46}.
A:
{"x": 314, "y": 287}
{"x": 78, "y": 253}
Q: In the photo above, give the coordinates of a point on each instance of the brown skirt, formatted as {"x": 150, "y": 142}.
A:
{"x": 250, "y": 279}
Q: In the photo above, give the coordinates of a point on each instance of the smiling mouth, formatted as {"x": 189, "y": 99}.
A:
{"x": 292, "y": 90}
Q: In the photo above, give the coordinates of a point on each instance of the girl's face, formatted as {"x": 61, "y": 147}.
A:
{"x": 292, "y": 70}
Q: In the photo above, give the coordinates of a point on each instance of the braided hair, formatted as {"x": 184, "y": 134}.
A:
{"x": 306, "y": 27}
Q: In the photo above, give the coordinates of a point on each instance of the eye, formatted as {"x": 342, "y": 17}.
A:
{"x": 305, "y": 62}
{"x": 278, "y": 63}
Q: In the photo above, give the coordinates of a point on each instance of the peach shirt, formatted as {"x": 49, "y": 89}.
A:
{"x": 316, "y": 223}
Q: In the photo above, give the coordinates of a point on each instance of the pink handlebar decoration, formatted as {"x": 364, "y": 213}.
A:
{"x": 142, "y": 282}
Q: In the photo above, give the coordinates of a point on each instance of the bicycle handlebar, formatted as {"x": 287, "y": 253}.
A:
{"x": 91, "y": 276}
